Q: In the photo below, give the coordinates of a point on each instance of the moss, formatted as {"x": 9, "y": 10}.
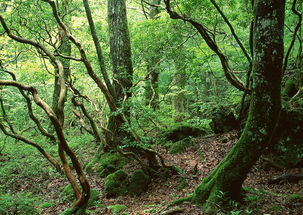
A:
{"x": 295, "y": 197}
{"x": 67, "y": 194}
{"x": 117, "y": 209}
{"x": 116, "y": 184}
{"x": 182, "y": 183}
{"x": 180, "y": 146}
{"x": 68, "y": 211}
{"x": 182, "y": 130}
{"x": 110, "y": 162}
{"x": 138, "y": 182}
{"x": 94, "y": 198}
{"x": 167, "y": 172}
{"x": 46, "y": 205}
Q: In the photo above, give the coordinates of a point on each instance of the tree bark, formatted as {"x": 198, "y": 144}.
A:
{"x": 64, "y": 49}
{"x": 120, "y": 52}
{"x": 179, "y": 99}
{"x": 265, "y": 106}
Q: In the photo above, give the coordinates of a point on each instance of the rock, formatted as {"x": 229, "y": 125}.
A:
{"x": 223, "y": 120}
{"x": 181, "y": 131}
{"x": 179, "y": 146}
{"x": 116, "y": 184}
{"x": 120, "y": 183}
{"x": 287, "y": 141}
{"x": 107, "y": 163}
{"x": 138, "y": 182}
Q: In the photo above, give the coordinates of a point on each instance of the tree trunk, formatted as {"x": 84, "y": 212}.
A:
{"x": 120, "y": 51}
{"x": 265, "y": 105}
{"x": 179, "y": 96}
{"x": 151, "y": 86}
{"x": 64, "y": 49}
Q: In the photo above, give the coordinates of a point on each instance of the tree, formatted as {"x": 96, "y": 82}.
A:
{"x": 152, "y": 82}
{"x": 120, "y": 52}
{"x": 64, "y": 49}
{"x": 265, "y": 103}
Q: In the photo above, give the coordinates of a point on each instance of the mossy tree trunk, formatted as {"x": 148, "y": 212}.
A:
{"x": 265, "y": 105}
{"x": 179, "y": 82}
{"x": 120, "y": 52}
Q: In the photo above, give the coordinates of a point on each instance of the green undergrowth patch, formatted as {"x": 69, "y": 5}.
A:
{"x": 21, "y": 203}
{"x": 67, "y": 194}
{"x": 24, "y": 166}
{"x": 117, "y": 209}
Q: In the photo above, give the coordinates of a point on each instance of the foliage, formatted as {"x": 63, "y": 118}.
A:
{"x": 22, "y": 204}
{"x": 117, "y": 209}
{"x": 67, "y": 194}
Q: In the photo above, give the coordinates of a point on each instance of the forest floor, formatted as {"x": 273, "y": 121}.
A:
{"x": 197, "y": 162}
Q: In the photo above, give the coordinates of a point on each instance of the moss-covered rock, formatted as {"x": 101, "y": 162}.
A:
{"x": 223, "y": 120}
{"x": 179, "y": 146}
{"x": 288, "y": 143}
{"x": 116, "y": 184}
{"x": 182, "y": 130}
{"x": 138, "y": 182}
{"x": 67, "y": 194}
{"x": 109, "y": 163}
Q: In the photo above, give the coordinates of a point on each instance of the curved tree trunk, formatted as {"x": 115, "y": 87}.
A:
{"x": 65, "y": 49}
{"x": 265, "y": 105}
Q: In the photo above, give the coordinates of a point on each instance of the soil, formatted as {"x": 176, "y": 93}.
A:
{"x": 197, "y": 162}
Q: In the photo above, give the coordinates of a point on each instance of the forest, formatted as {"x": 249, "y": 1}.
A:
{"x": 145, "y": 107}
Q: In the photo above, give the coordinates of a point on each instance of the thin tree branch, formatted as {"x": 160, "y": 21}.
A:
{"x": 233, "y": 79}
{"x": 299, "y": 22}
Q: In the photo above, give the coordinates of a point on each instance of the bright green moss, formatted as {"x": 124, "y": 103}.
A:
{"x": 117, "y": 209}
{"x": 116, "y": 184}
{"x": 110, "y": 162}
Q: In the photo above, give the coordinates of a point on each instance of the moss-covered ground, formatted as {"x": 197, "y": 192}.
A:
{"x": 30, "y": 184}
